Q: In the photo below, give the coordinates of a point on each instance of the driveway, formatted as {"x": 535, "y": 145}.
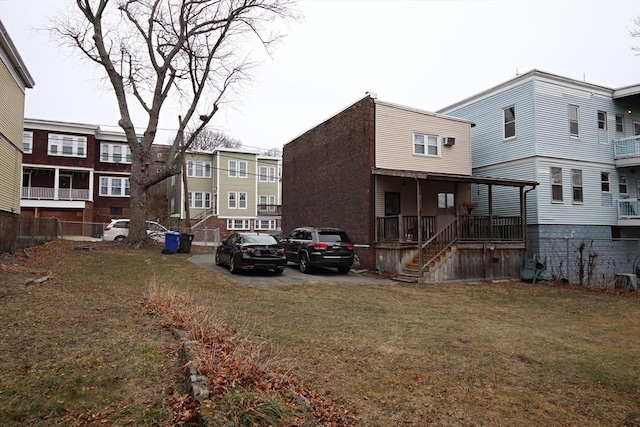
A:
{"x": 291, "y": 275}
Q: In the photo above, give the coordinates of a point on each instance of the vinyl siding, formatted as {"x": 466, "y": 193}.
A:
{"x": 394, "y": 141}
{"x": 268, "y": 188}
{"x": 10, "y": 177}
{"x": 228, "y": 184}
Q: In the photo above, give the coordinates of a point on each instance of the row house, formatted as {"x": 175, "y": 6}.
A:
{"x": 75, "y": 172}
{"x": 227, "y": 190}
{"x": 581, "y": 142}
{"x": 398, "y": 180}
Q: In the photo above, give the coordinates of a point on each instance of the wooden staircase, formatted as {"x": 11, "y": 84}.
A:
{"x": 434, "y": 253}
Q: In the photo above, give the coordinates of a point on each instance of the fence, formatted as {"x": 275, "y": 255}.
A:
{"x": 69, "y": 229}
{"x": 21, "y": 232}
{"x": 585, "y": 261}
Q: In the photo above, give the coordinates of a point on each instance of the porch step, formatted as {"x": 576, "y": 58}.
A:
{"x": 406, "y": 278}
{"x": 412, "y": 269}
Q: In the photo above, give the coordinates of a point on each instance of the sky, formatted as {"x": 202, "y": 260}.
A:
{"x": 424, "y": 54}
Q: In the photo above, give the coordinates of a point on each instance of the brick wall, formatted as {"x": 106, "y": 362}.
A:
{"x": 327, "y": 178}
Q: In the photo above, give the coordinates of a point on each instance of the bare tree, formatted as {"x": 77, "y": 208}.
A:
{"x": 208, "y": 139}
{"x": 273, "y": 152}
{"x": 190, "y": 51}
{"x": 635, "y": 32}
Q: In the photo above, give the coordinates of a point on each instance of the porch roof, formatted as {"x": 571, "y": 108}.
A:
{"x": 470, "y": 179}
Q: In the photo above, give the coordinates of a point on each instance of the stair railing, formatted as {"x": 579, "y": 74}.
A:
{"x": 444, "y": 239}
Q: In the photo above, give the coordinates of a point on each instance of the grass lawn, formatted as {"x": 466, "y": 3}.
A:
{"x": 78, "y": 349}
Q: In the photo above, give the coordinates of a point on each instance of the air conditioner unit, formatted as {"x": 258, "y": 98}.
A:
{"x": 448, "y": 141}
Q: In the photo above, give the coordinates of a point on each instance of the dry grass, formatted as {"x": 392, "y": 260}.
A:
{"x": 451, "y": 355}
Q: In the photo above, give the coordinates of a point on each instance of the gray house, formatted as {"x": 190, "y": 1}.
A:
{"x": 581, "y": 142}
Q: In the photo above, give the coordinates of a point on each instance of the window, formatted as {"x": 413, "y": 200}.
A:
{"x": 446, "y": 203}
{"x": 576, "y": 183}
{"x": 267, "y": 203}
{"x": 509, "y": 115}
{"x": 602, "y": 120}
{"x": 27, "y": 142}
{"x": 115, "y": 211}
{"x": 604, "y": 182}
{"x": 267, "y": 174}
{"x": 574, "y": 129}
{"x": 426, "y": 145}
{"x": 67, "y": 145}
{"x": 115, "y": 153}
{"x": 620, "y": 124}
{"x": 114, "y": 186}
{"x": 198, "y": 169}
{"x": 242, "y": 200}
{"x": 232, "y": 200}
{"x": 265, "y": 224}
{"x": 391, "y": 203}
{"x": 199, "y": 200}
{"x": 263, "y": 174}
{"x": 237, "y": 169}
{"x": 237, "y": 224}
{"x": 556, "y": 184}
{"x": 622, "y": 184}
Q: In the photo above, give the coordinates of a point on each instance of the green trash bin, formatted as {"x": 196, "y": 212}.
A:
{"x": 185, "y": 243}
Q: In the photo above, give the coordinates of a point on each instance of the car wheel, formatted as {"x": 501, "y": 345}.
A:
{"x": 232, "y": 265}
{"x": 305, "y": 268}
{"x": 119, "y": 238}
{"x": 343, "y": 270}
{"x": 217, "y": 258}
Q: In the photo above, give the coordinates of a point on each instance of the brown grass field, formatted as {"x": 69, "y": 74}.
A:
{"x": 80, "y": 349}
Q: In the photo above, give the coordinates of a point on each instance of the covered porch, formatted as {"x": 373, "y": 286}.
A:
{"x": 420, "y": 216}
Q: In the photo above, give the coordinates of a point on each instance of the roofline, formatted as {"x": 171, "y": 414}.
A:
{"x": 16, "y": 60}
{"x": 626, "y": 91}
{"x": 83, "y": 128}
{"x": 425, "y": 112}
{"x": 530, "y": 75}
{"x": 469, "y": 179}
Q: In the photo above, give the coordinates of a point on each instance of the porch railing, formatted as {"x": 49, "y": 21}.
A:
{"x": 403, "y": 228}
{"x": 625, "y": 148}
{"x": 439, "y": 243}
{"x": 491, "y": 228}
{"x": 265, "y": 209}
{"x": 47, "y": 193}
{"x": 628, "y": 209}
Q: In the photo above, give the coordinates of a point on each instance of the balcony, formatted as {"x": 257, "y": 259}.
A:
{"x": 47, "y": 193}
{"x": 269, "y": 210}
{"x": 626, "y": 151}
{"x": 628, "y": 212}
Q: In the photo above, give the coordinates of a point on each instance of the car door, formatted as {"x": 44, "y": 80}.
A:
{"x": 226, "y": 251}
{"x": 291, "y": 244}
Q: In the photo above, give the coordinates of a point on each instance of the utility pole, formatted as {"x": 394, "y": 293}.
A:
{"x": 185, "y": 186}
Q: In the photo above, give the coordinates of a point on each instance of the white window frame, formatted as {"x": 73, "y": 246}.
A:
{"x": 198, "y": 169}
{"x": 108, "y": 153}
{"x": 238, "y": 224}
{"x": 242, "y": 169}
{"x": 426, "y": 141}
{"x": 232, "y": 168}
{"x": 623, "y": 187}
{"x": 605, "y": 181}
{"x": 575, "y": 120}
{"x": 232, "y": 200}
{"x": 199, "y": 199}
{"x": 508, "y": 122}
{"x": 27, "y": 142}
{"x": 619, "y": 123}
{"x": 576, "y": 184}
{"x": 602, "y": 120}
{"x": 242, "y": 200}
{"x": 260, "y": 224}
{"x": 556, "y": 183}
{"x": 263, "y": 174}
{"x": 58, "y": 143}
{"x": 110, "y": 180}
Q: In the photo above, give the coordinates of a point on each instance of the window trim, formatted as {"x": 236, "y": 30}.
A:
{"x": 125, "y": 157}
{"x": 556, "y": 184}
{"x": 59, "y": 141}
{"x": 126, "y": 187}
{"x": 205, "y": 198}
{"x": 27, "y": 135}
{"x": 606, "y": 182}
{"x": 619, "y": 123}
{"x": 231, "y": 224}
{"x": 622, "y": 181}
{"x": 203, "y": 166}
{"x": 576, "y": 120}
{"x": 574, "y": 187}
{"x": 602, "y": 120}
{"x": 506, "y": 123}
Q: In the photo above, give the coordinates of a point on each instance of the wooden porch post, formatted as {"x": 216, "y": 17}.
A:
{"x": 419, "y": 201}
{"x": 490, "y": 195}
{"x": 522, "y": 214}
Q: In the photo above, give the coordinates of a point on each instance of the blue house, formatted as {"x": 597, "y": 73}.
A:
{"x": 581, "y": 142}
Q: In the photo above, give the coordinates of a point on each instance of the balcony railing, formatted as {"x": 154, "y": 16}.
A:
{"x": 403, "y": 228}
{"x": 269, "y": 210}
{"x": 628, "y": 209}
{"x": 47, "y": 193}
{"x": 625, "y": 148}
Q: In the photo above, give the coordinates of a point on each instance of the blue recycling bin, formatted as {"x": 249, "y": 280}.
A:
{"x": 171, "y": 241}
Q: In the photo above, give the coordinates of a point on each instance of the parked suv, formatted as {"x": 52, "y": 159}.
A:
{"x": 118, "y": 229}
{"x": 313, "y": 247}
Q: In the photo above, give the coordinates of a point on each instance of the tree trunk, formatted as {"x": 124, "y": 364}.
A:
{"x": 137, "y": 198}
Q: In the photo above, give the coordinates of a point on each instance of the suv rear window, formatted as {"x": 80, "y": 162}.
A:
{"x": 121, "y": 224}
{"x": 332, "y": 236}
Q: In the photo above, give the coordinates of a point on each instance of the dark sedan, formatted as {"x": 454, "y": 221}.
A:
{"x": 251, "y": 251}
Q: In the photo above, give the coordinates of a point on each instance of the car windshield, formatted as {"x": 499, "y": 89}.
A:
{"x": 261, "y": 239}
{"x": 333, "y": 236}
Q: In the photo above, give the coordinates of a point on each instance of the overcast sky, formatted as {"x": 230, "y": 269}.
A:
{"x": 423, "y": 54}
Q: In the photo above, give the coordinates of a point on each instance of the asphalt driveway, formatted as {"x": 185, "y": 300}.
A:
{"x": 291, "y": 275}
